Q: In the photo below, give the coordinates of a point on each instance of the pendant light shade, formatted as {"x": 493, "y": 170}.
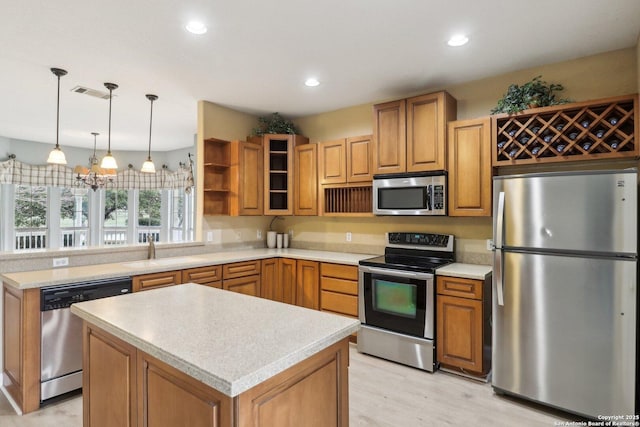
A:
{"x": 108, "y": 161}
{"x": 56, "y": 156}
{"x": 148, "y": 166}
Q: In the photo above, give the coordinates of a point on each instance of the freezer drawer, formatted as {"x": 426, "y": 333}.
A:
{"x": 566, "y": 334}
{"x": 588, "y": 212}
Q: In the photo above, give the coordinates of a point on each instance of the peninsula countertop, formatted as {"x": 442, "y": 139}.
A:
{"x": 61, "y": 276}
{"x": 226, "y": 340}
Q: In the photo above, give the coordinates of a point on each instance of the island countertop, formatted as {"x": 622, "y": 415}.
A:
{"x": 226, "y": 340}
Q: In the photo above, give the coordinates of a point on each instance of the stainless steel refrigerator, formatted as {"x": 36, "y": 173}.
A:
{"x": 565, "y": 290}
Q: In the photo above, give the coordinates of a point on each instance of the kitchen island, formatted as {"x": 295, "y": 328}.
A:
{"x": 195, "y": 355}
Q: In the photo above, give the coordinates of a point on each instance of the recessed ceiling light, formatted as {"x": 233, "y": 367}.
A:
{"x": 196, "y": 27}
{"x": 312, "y": 82}
{"x": 458, "y": 40}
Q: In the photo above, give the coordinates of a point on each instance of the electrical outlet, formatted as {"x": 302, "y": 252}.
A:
{"x": 490, "y": 246}
{"x": 209, "y": 236}
{"x": 259, "y": 234}
{"x": 290, "y": 231}
{"x": 60, "y": 262}
{"x": 348, "y": 236}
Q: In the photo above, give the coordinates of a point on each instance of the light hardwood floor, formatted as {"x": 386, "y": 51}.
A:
{"x": 382, "y": 394}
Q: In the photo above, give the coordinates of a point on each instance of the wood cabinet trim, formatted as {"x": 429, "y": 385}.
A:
{"x": 144, "y": 282}
{"x": 459, "y": 287}
{"x": 240, "y": 269}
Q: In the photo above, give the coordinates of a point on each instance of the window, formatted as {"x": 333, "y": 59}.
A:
{"x": 30, "y": 217}
{"x": 37, "y": 217}
{"x": 149, "y": 215}
{"x": 116, "y": 217}
{"x": 74, "y": 217}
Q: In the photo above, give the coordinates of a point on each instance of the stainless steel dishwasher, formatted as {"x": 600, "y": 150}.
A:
{"x": 61, "y": 335}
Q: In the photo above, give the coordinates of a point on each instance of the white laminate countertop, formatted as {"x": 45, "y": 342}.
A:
{"x": 466, "y": 271}
{"x": 61, "y": 276}
{"x": 226, "y": 340}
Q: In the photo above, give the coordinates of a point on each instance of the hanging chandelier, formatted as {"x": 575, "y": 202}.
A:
{"x": 94, "y": 176}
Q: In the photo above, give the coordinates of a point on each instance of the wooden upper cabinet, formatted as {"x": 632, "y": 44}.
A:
{"x": 427, "y": 118}
{"x": 470, "y": 167}
{"x": 345, "y": 160}
{"x": 279, "y": 171}
{"x": 359, "y": 158}
{"x": 410, "y": 135}
{"x": 306, "y": 180}
{"x": 389, "y": 135}
{"x": 247, "y": 179}
{"x": 332, "y": 159}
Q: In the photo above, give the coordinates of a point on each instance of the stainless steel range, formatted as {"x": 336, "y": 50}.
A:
{"x": 397, "y": 298}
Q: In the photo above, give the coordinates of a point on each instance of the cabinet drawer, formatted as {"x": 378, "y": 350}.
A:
{"x": 156, "y": 280}
{"x": 459, "y": 287}
{"x": 202, "y": 275}
{"x": 339, "y": 303}
{"x": 240, "y": 269}
{"x": 339, "y": 285}
{"x": 340, "y": 271}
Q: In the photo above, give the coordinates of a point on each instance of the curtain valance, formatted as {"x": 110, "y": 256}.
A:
{"x": 13, "y": 171}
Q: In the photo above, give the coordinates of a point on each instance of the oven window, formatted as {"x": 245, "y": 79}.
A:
{"x": 395, "y": 298}
{"x": 401, "y": 198}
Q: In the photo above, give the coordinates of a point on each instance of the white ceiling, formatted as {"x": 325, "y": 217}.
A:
{"x": 257, "y": 54}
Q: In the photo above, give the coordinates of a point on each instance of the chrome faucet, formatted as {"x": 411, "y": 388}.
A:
{"x": 152, "y": 247}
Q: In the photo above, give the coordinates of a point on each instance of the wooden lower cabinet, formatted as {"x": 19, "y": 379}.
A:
{"x": 249, "y": 285}
{"x": 463, "y": 339}
{"x": 279, "y": 280}
{"x": 339, "y": 289}
{"x": 124, "y": 386}
{"x": 145, "y": 282}
{"x": 242, "y": 277}
{"x": 21, "y": 345}
{"x": 307, "y": 284}
{"x": 209, "y": 276}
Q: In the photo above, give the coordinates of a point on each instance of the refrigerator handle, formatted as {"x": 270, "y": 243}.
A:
{"x": 498, "y": 238}
{"x": 498, "y": 282}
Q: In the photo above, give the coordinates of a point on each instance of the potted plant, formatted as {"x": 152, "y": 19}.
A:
{"x": 534, "y": 93}
{"x": 274, "y": 124}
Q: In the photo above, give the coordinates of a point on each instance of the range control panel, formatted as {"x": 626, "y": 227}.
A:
{"x": 420, "y": 239}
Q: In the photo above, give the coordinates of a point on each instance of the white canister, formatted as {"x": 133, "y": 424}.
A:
{"x": 271, "y": 239}
{"x": 279, "y": 241}
{"x": 285, "y": 240}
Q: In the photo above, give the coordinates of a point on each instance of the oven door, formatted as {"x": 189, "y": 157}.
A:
{"x": 398, "y": 301}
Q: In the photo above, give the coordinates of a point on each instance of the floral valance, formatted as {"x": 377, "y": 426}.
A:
{"x": 13, "y": 171}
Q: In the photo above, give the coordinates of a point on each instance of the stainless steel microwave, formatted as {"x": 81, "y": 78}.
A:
{"x": 421, "y": 193}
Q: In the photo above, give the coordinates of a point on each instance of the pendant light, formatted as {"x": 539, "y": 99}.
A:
{"x": 108, "y": 161}
{"x": 56, "y": 156}
{"x": 148, "y": 166}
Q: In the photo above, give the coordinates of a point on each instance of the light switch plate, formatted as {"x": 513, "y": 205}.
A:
{"x": 348, "y": 236}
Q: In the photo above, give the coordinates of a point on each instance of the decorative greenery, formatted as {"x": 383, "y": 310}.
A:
{"x": 274, "y": 124}
{"x": 535, "y": 93}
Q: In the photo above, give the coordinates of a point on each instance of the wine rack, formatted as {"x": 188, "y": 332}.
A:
{"x": 602, "y": 129}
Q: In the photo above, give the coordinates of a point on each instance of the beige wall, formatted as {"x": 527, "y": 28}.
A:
{"x": 215, "y": 121}
{"x": 607, "y": 74}
{"x": 592, "y": 77}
